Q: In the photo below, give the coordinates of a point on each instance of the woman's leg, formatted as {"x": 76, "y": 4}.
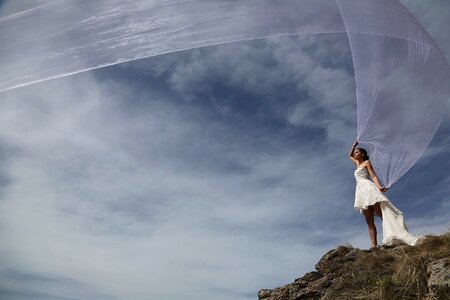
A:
{"x": 377, "y": 209}
{"x": 368, "y": 213}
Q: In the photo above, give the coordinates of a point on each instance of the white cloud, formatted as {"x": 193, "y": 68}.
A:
{"x": 127, "y": 202}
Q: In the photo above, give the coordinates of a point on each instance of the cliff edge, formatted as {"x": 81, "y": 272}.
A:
{"x": 397, "y": 272}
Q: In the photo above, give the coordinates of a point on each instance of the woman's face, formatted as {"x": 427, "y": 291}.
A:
{"x": 357, "y": 154}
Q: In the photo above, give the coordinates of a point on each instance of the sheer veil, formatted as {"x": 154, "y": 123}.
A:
{"x": 402, "y": 78}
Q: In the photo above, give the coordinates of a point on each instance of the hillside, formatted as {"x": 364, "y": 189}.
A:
{"x": 398, "y": 272}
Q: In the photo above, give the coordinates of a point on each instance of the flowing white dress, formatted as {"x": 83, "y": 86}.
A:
{"x": 394, "y": 227}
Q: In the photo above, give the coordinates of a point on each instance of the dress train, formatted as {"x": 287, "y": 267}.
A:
{"x": 394, "y": 227}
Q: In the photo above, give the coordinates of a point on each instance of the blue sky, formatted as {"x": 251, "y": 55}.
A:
{"x": 204, "y": 174}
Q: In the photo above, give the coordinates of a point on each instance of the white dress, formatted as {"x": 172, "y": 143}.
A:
{"x": 394, "y": 227}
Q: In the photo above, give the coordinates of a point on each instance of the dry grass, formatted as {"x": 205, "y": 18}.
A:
{"x": 390, "y": 274}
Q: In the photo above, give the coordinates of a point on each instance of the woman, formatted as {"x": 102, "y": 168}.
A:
{"x": 369, "y": 199}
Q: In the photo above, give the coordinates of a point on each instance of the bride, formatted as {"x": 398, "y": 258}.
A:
{"x": 369, "y": 199}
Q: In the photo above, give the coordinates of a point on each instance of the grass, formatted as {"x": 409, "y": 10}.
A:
{"x": 390, "y": 274}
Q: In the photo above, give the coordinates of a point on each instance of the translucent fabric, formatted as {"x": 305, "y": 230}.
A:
{"x": 402, "y": 77}
{"x": 402, "y": 82}
{"x": 59, "y": 37}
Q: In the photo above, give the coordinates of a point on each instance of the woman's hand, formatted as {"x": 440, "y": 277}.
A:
{"x": 355, "y": 143}
{"x": 383, "y": 189}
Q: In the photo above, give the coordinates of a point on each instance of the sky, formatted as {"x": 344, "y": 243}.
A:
{"x": 202, "y": 174}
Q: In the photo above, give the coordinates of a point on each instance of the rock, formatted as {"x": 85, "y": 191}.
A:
{"x": 264, "y": 293}
{"x": 305, "y": 280}
{"x": 389, "y": 272}
{"x": 439, "y": 278}
{"x": 281, "y": 293}
{"x": 309, "y": 287}
{"x": 352, "y": 255}
{"x": 334, "y": 259}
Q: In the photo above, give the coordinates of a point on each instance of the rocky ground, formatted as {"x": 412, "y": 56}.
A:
{"x": 399, "y": 272}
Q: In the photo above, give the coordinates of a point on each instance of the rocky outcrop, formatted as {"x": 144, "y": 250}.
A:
{"x": 401, "y": 272}
{"x": 310, "y": 286}
{"x": 439, "y": 278}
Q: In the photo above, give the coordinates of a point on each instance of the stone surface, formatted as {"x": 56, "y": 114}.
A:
{"x": 264, "y": 293}
{"x": 383, "y": 273}
{"x": 335, "y": 258}
{"x": 313, "y": 285}
{"x": 439, "y": 278}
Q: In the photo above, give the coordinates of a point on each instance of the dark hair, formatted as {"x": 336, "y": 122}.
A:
{"x": 364, "y": 153}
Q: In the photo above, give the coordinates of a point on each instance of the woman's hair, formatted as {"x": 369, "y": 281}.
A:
{"x": 364, "y": 153}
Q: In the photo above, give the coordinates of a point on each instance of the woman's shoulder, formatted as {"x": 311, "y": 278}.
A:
{"x": 364, "y": 164}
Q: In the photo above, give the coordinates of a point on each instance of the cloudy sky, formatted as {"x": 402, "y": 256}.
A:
{"x": 203, "y": 174}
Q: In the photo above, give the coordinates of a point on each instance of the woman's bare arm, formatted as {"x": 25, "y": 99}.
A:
{"x": 374, "y": 176}
{"x": 352, "y": 152}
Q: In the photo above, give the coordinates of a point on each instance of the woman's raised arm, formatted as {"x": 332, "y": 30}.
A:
{"x": 352, "y": 152}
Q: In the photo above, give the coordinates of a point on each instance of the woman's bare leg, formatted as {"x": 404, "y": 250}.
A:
{"x": 377, "y": 209}
{"x": 368, "y": 213}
